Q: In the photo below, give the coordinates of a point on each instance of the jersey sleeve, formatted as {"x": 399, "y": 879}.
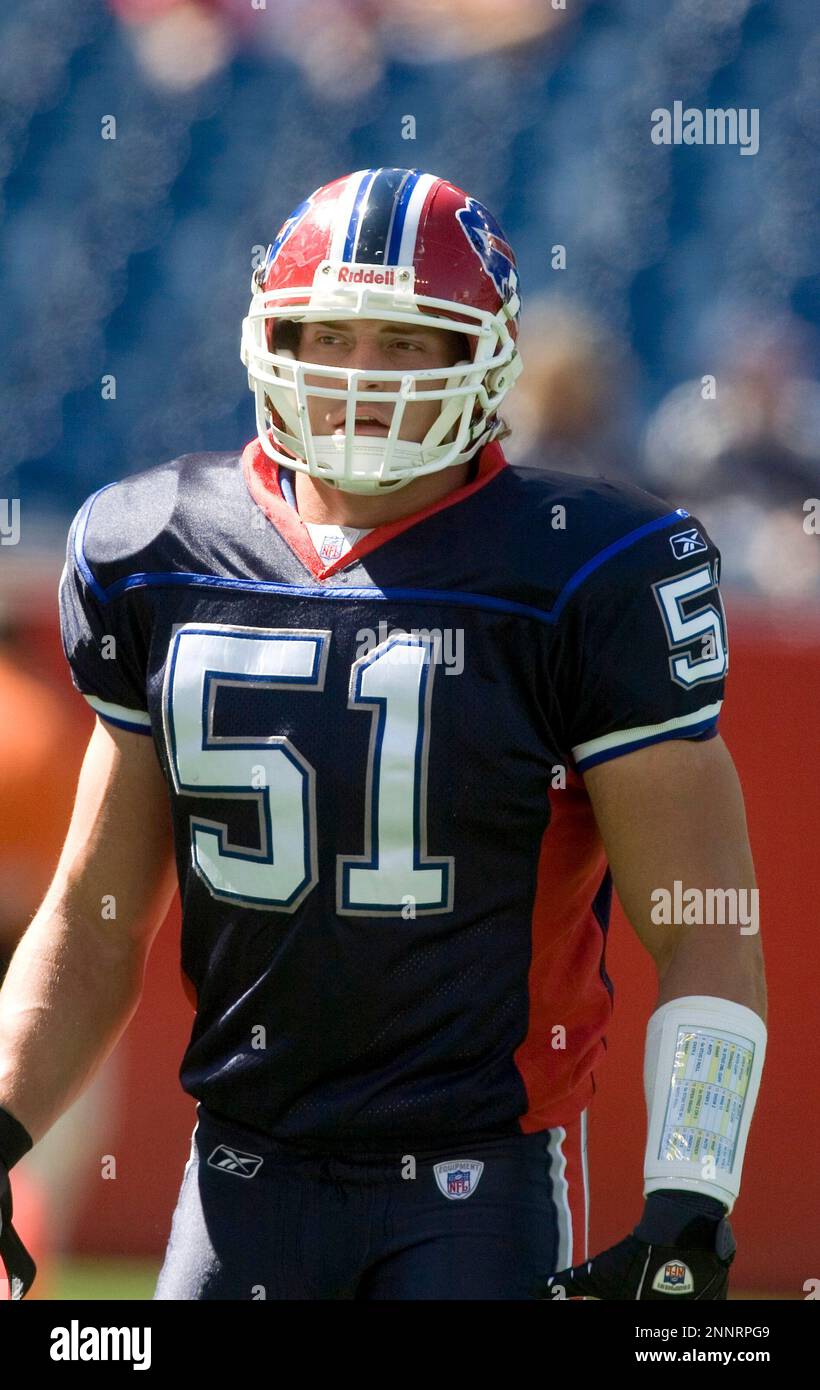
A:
{"x": 642, "y": 654}
{"x": 100, "y": 638}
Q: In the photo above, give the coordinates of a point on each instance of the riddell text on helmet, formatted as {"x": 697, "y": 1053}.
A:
{"x": 346, "y": 275}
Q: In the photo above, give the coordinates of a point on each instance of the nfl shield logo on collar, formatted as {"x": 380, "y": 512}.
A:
{"x": 331, "y": 548}
{"x": 458, "y": 1177}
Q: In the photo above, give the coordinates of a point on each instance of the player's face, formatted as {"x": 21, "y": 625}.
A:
{"x": 378, "y": 346}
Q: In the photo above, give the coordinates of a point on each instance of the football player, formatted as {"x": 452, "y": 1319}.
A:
{"x": 393, "y": 712}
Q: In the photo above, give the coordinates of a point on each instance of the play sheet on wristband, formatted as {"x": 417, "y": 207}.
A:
{"x": 709, "y": 1083}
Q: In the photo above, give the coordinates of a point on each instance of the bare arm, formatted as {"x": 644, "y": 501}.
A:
{"x": 76, "y": 976}
{"x": 673, "y": 811}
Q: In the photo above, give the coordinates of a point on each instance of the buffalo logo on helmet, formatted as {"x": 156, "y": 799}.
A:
{"x": 286, "y": 230}
{"x": 490, "y": 245}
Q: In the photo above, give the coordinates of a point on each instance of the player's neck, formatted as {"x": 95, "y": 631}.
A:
{"x": 317, "y": 501}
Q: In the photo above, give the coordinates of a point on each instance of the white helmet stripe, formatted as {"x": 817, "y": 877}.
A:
{"x": 407, "y": 249}
{"x": 344, "y": 212}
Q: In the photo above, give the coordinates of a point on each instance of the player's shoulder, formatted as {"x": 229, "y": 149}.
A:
{"x": 605, "y": 509}
{"x": 142, "y": 521}
{"x": 587, "y": 522}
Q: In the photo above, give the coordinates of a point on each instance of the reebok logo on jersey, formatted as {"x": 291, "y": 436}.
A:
{"x": 687, "y": 543}
{"x": 235, "y": 1161}
{"x": 673, "y": 1277}
{"x": 458, "y": 1177}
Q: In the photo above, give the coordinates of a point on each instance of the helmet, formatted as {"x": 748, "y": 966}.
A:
{"x": 402, "y": 246}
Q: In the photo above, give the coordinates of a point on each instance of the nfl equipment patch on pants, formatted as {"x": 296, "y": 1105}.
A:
{"x": 258, "y": 1220}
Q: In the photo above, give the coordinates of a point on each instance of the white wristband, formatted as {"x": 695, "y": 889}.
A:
{"x": 702, "y": 1068}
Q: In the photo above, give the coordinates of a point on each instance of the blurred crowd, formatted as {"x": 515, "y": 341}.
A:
{"x": 670, "y": 339}
{"x": 149, "y": 148}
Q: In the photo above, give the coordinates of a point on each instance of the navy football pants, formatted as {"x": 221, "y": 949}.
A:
{"x": 255, "y": 1221}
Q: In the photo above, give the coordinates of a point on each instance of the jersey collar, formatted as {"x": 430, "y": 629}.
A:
{"x": 261, "y": 475}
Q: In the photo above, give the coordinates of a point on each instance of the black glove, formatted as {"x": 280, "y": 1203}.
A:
{"x": 20, "y": 1267}
{"x": 681, "y": 1249}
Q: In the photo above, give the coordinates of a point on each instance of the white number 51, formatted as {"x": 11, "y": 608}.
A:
{"x": 707, "y": 623}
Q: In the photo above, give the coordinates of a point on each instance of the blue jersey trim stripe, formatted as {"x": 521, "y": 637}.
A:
{"x": 601, "y": 911}
{"x": 127, "y": 715}
{"x": 124, "y": 724}
{"x": 399, "y": 215}
{"x": 453, "y": 596}
{"x": 609, "y": 551}
{"x": 80, "y": 528}
{"x": 689, "y": 731}
{"x": 176, "y": 578}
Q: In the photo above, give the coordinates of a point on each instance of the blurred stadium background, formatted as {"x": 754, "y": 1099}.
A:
{"x": 130, "y": 258}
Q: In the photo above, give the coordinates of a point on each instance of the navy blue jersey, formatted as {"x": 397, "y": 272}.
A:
{"x": 392, "y": 886}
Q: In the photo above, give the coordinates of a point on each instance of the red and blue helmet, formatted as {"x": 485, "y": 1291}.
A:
{"x": 402, "y": 246}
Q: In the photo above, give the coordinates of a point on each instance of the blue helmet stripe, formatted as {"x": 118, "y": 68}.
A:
{"x": 352, "y": 226}
{"x": 399, "y": 214}
{"x": 377, "y": 218}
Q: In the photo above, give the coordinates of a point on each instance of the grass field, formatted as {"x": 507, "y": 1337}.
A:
{"x": 102, "y": 1278}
